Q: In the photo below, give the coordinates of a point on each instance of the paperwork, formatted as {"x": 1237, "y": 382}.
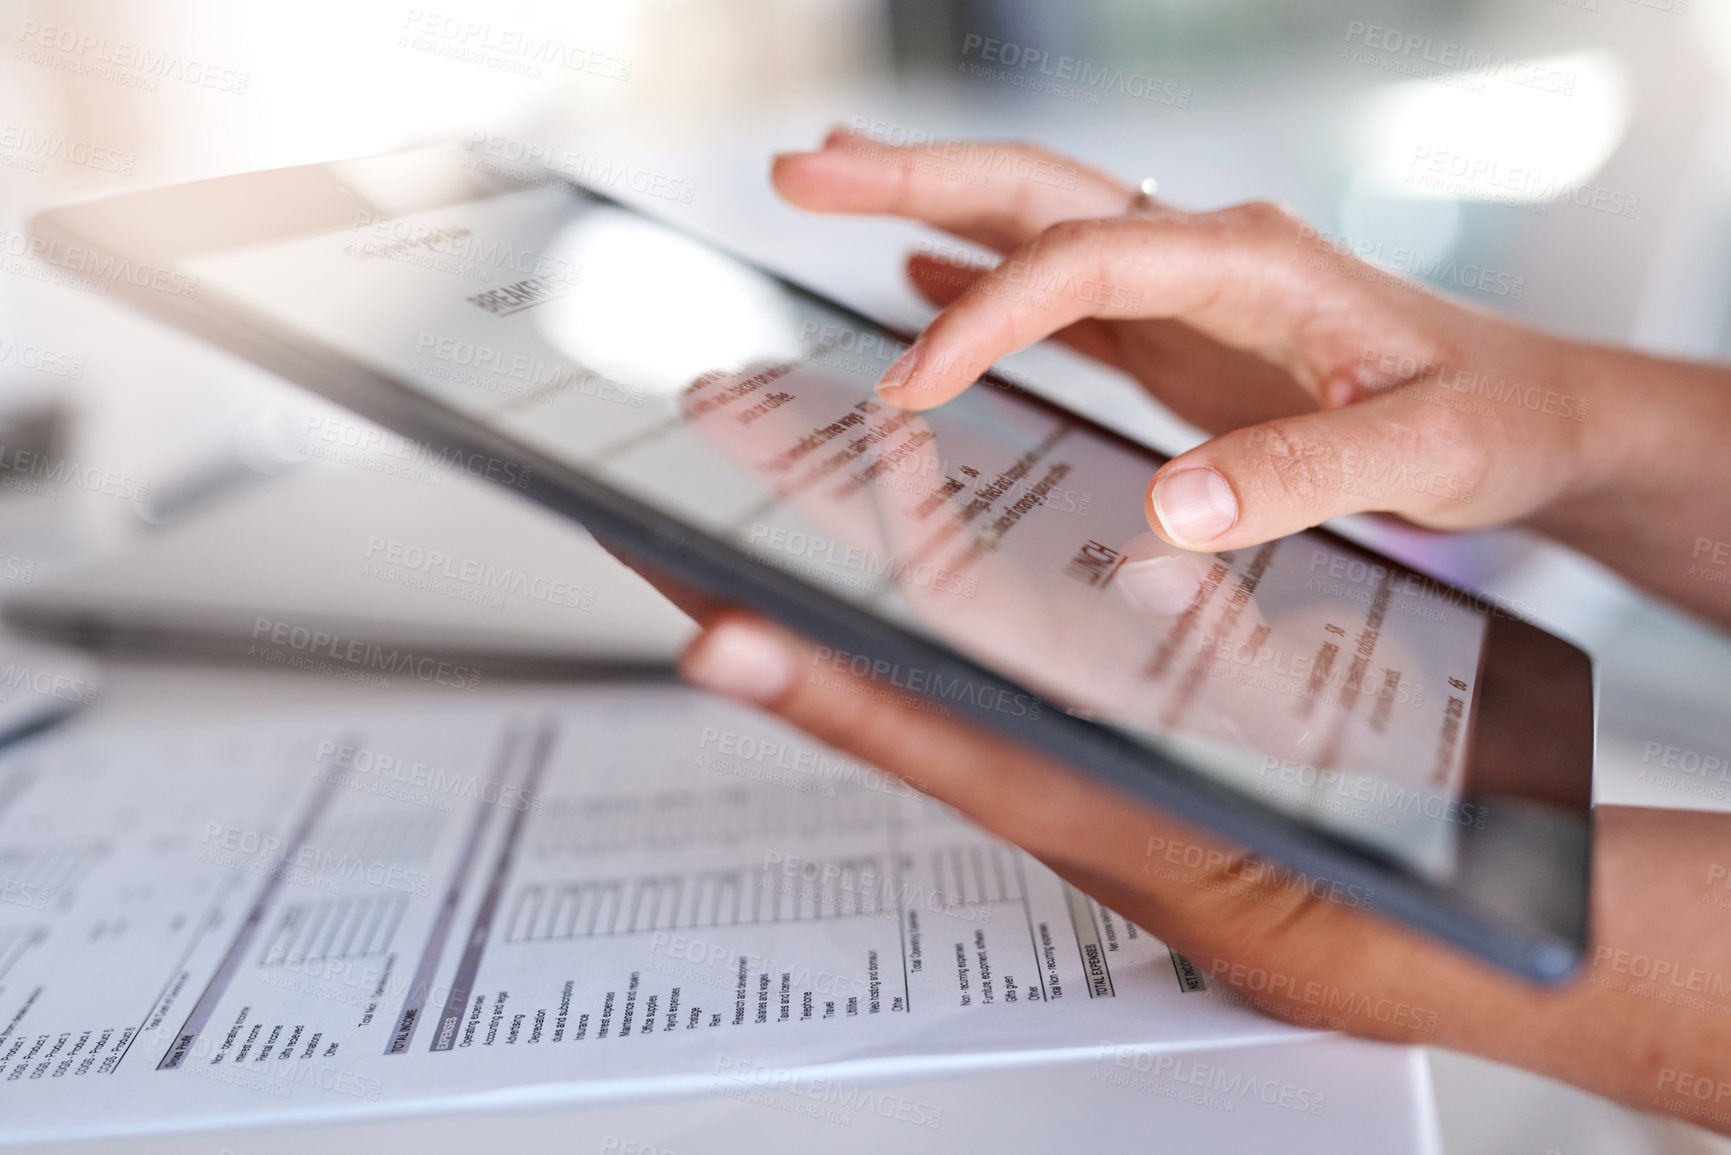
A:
{"x": 601, "y": 892}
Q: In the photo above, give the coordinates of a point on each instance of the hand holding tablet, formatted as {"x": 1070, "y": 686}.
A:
{"x": 1247, "y": 359}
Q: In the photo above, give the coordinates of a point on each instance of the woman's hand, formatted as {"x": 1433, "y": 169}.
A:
{"x": 1334, "y": 387}
{"x": 1649, "y": 1020}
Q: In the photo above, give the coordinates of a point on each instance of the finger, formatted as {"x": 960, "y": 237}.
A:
{"x": 1231, "y": 275}
{"x": 1396, "y": 453}
{"x": 1183, "y": 368}
{"x": 746, "y": 658}
{"x": 941, "y": 282}
{"x": 996, "y": 194}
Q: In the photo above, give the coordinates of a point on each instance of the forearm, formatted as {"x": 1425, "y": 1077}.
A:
{"x": 1648, "y": 1023}
{"x": 1654, "y": 499}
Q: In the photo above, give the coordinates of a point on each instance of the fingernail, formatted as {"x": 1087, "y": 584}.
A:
{"x": 741, "y": 661}
{"x": 1158, "y": 585}
{"x": 1195, "y": 506}
{"x": 898, "y": 374}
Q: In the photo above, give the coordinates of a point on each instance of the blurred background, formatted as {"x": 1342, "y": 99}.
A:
{"x": 1563, "y": 162}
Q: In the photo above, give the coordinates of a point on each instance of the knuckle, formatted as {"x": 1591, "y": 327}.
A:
{"x": 1264, "y": 926}
{"x": 1067, "y": 237}
{"x": 1455, "y": 443}
{"x": 1076, "y": 247}
{"x": 1288, "y": 466}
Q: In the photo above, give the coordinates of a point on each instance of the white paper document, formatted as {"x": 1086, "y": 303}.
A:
{"x": 591, "y": 893}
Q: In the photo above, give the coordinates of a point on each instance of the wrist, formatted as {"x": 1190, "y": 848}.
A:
{"x": 1648, "y": 1021}
{"x": 1644, "y": 494}
{"x": 1631, "y": 408}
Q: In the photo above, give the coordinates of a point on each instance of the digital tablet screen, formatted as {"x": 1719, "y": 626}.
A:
{"x": 1303, "y": 673}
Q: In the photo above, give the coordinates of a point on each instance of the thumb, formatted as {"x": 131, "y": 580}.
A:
{"x": 1391, "y": 454}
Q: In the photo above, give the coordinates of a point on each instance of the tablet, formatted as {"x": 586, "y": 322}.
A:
{"x": 1382, "y": 739}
